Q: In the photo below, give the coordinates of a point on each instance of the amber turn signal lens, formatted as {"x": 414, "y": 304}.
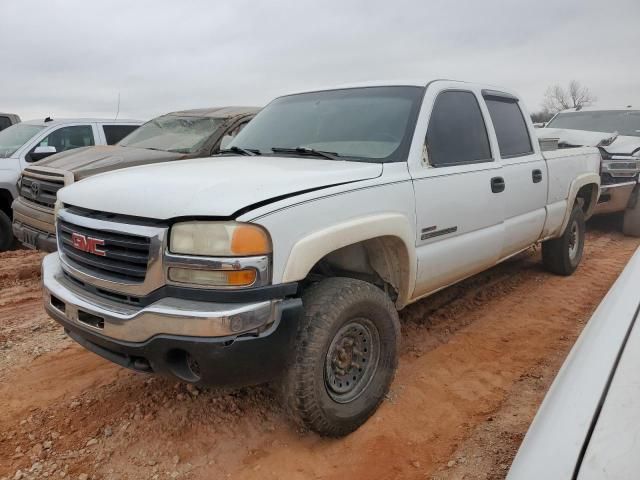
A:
{"x": 249, "y": 240}
{"x": 213, "y": 278}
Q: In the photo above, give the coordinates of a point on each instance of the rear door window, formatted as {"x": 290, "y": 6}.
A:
{"x": 114, "y": 133}
{"x": 457, "y": 133}
{"x": 511, "y": 129}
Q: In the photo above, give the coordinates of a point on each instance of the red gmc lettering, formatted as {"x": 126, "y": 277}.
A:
{"x": 87, "y": 244}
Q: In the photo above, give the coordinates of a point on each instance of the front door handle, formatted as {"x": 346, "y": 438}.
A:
{"x": 536, "y": 176}
{"x": 497, "y": 184}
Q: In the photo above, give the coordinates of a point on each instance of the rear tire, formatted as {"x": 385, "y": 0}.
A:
{"x": 562, "y": 255}
{"x": 346, "y": 356}
{"x": 631, "y": 225}
{"x": 7, "y": 240}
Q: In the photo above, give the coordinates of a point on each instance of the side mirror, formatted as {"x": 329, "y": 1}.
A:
{"x": 226, "y": 140}
{"x": 41, "y": 152}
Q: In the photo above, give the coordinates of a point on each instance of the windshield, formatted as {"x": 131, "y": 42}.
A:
{"x": 371, "y": 124}
{"x": 625, "y": 122}
{"x": 173, "y": 133}
{"x": 14, "y": 137}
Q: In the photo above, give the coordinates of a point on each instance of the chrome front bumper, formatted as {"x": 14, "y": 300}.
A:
{"x": 614, "y": 197}
{"x": 168, "y": 316}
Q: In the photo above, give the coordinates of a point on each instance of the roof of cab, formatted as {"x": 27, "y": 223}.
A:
{"x": 217, "y": 112}
{"x": 62, "y": 121}
{"x": 401, "y": 83}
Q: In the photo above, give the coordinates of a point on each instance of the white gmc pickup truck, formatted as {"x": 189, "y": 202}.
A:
{"x": 287, "y": 257}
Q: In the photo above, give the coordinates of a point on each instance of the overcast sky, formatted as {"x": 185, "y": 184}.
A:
{"x": 70, "y": 58}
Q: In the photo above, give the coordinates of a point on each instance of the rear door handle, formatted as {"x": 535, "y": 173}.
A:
{"x": 536, "y": 176}
{"x": 497, "y": 184}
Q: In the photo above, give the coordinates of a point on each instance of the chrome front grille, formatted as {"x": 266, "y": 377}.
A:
{"x": 41, "y": 187}
{"x": 111, "y": 252}
{"x": 121, "y": 256}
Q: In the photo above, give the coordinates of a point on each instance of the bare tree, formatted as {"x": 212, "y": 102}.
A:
{"x": 557, "y": 98}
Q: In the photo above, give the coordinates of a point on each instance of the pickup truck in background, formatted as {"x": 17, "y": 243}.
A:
{"x": 173, "y": 136}
{"x": 24, "y": 143}
{"x": 8, "y": 119}
{"x": 616, "y": 132}
{"x": 287, "y": 257}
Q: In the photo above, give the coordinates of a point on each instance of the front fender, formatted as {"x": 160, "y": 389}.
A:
{"x": 309, "y": 250}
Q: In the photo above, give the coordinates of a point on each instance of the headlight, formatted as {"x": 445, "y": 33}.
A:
{"x": 636, "y": 154}
{"x": 219, "y": 239}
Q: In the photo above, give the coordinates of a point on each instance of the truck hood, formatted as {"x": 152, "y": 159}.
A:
{"x": 86, "y": 161}
{"x": 213, "y": 187}
{"x": 622, "y": 145}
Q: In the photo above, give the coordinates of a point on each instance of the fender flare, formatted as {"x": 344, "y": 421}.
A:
{"x": 574, "y": 188}
{"x": 309, "y": 250}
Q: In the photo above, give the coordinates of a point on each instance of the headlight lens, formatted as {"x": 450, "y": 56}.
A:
{"x": 223, "y": 239}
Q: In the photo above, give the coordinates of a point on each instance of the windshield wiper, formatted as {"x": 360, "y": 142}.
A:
{"x": 242, "y": 151}
{"x": 307, "y": 151}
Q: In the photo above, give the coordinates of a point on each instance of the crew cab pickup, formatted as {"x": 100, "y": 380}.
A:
{"x": 24, "y": 143}
{"x": 173, "y": 136}
{"x": 287, "y": 258}
{"x": 616, "y": 132}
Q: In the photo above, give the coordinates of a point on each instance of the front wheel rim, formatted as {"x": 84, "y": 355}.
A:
{"x": 352, "y": 360}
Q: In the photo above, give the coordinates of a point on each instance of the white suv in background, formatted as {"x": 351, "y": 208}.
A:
{"x": 28, "y": 142}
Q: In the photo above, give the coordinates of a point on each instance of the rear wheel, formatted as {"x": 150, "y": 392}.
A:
{"x": 346, "y": 356}
{"x": 631, "y": 225}
{"x": 6, "y": 233}
{"x": 562, "y": 255}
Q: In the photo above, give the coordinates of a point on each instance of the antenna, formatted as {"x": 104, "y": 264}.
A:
{"x": 118, "y": 110}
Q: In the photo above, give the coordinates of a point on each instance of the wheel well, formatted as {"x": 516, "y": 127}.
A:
{"x": 382, "y": 261}
{"x": 587, "y": 197}
{"x": 6, "y": 199}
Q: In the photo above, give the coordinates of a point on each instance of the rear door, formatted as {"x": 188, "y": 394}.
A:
{"x": 459, "y": 192}
{"x": 524, "y": 171}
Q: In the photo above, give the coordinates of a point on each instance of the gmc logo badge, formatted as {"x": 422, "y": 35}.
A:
{"x": 87, "y": 244}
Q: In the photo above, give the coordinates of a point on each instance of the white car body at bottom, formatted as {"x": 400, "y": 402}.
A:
{"x": 588, "y": 426}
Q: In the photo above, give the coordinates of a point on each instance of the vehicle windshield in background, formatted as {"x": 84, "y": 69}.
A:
{"x": 371, "y": 124}
{"x": 14, "y": 137}
{"x": 625, "y": 122}
{"x": 173, "y": 133}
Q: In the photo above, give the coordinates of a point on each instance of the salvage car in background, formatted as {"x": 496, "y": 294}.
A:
{"x": 287, "y": 258}
{"x": 8, "y": 119}
{"x": 616, "y": 132}
{"x": 174, "y": 136}
{"x": 588, "y": 425}
{"x": 28, "y": 142}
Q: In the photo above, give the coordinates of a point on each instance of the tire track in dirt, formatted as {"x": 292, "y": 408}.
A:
{"x": 470, "y": 353}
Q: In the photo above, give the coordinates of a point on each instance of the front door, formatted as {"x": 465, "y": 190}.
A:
{"x": 459, "y": 195}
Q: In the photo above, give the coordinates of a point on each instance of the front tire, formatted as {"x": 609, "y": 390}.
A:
{"x": 7, "y": 240}
{"x": 346, "y": 356}
{"x": 562, "y": 255}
